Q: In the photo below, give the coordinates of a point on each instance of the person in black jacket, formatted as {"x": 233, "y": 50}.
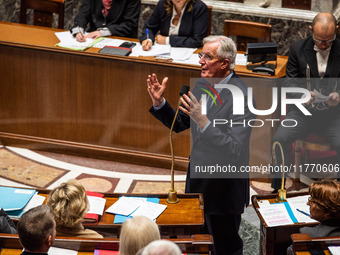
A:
{"x": 225, "y": 193}
{"x": 107, "y": 18}
{"x": 6, "y": 224}
{"x": 37, "y": 230}
{"x": 180, "y": 23}
{"x": 313, "y": 64}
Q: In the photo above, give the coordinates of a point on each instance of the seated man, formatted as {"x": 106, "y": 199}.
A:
{"x": 313, "y": 64}
{"x": 106, "y": 18}
{"x": 6, "y": 224}
{"x": 161, "y": 247}
{"x": 37, "y": 230}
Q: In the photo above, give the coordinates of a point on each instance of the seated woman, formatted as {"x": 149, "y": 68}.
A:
{"x": 181, "y": 23}
{"x": 70, "y": 204}
{"x": 136, "y": 233}
{"x": 324, "y": 205}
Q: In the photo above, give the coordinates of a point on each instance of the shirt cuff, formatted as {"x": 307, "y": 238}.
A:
{"x": 104, "y": 31}
{"x": 167, "y": 40}
{"x": 77, "y": 30}
{"x": 205, "y": 127}
{"x": 156, "y": 108}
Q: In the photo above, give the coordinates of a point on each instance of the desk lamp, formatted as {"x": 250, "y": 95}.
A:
{"x": 281, "y": 193}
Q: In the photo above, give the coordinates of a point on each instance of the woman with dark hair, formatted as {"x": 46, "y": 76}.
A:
{"x": 180, "y": 23}
{"x": 324, "y": 205}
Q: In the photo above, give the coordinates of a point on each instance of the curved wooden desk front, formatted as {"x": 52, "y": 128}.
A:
{"x": 97, "y": 105}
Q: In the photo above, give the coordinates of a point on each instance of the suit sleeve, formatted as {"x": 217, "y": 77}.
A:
{"x": 199, "y": 23}
{"x": 154, "y": 22}
{"x": 84, "y": 15}
{"x": 129, "y": 23}
{"x": 166, "y": 115}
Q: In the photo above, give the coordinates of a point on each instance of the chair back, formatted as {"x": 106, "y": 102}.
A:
{"x": 243, "y": 32}
{"x": 210, "y": 17}
{"x": 43, "y": 12}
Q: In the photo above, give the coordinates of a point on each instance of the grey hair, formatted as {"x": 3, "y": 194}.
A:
{"x": 226, "y": 50}
{"x": 161, "y": 247}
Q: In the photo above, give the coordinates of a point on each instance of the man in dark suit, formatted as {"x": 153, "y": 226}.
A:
{"x": 215, "y": 146}
{"x": 314, "y": 64}
{"x": 107, "y": 18}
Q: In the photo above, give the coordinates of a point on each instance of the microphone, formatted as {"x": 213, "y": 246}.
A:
{"x": 172, "y": 194}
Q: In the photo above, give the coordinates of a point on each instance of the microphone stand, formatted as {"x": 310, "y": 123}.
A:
{"x": 281, "y": 193}
{"x": 172, "y": 194}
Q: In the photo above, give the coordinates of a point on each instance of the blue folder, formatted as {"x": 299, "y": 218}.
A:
{"x": 13, "y": 199}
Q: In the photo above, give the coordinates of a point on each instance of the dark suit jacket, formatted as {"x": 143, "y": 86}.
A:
{"x": 324, "y": 229}
{"x": 222, "y": 145}
{"x": 193, "y": 28}
{"x": 122, "y": 19}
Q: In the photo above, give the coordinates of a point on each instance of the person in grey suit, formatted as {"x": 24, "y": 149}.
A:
{"x": 313, "y": 64}
{"x": 324, "y": 205}
{"x": 215, "y": 146}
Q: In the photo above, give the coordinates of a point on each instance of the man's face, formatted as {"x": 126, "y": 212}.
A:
{"x": 323, "y": 39}
{"x": 211, "y": 65}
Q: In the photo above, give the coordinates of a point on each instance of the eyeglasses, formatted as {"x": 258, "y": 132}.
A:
{"x": 207, "y": 57}
{"x": 323, "y": 41}
{"x": 312, "y": 200}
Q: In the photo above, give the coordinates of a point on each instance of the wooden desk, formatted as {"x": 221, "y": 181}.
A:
{"x": 96, "y": 105}
{"x": 302, "y": 243}
{"x": 275, "y": 240}
{"x": 184, "y": 218}
{"x": 199, "y": 244}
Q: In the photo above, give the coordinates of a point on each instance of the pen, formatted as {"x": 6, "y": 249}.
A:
{"x": 147, "y": 33}
{"x": 303, "y": 212}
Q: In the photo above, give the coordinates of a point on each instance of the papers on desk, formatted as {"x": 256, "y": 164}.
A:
{"x": 334, "y": 250}
{"x": 35, "y": 201}
{"x": 61, "y": 251}
{"x": 12, "y": 199}
{"x": 127, "y": 207}
{"x": 278, "y": 214}
{"x": 67, "y": 40}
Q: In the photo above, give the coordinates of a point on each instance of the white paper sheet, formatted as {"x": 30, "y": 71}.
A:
{"x": 125, "y": 205}
{"x": 157, "y": 49}
{"x": 150, "y": 210}
{"x": 300, "y": 203}
{"x": 68, "y": 41}
{"x": 61, "y": 251}
{"x": 275, "y": 215}
{"x": 97, "y": 205}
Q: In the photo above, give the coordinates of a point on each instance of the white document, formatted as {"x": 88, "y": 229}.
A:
{"x": 178, "y": 53}
{"x": 125, "y": 205}
{"x": 35, "y": 201}
{"x": 109, "y": 42}
{"x": 334, "y": 250}
{"x": 68, "y": 41}
{"x": 300, "y": 203}
{"x": 319, "y": 97}
{"x": 97, "y": 205}
{"x": 61, "y": 251}
{"x": 157, "y": 49}
{"x": 241, "y": 59}
{"x": 275, "y": 215}
{"x": 263, "y": 203}
{"x": 193, "y": 60}
{"x": 150, "y": 210}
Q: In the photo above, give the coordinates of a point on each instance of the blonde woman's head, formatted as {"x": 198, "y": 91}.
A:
{"x": 136, "y": 233}
{"x": 69, "y": 204}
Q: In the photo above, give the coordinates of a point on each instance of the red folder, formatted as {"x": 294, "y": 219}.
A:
{"x": 92, "y": 217}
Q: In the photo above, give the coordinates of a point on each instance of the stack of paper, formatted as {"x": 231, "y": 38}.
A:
{"x": 67, "y": 40}
{"x": 127, "y": 207}
{"x": 334, "y": 250}
{"x": 97, "y": 205}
